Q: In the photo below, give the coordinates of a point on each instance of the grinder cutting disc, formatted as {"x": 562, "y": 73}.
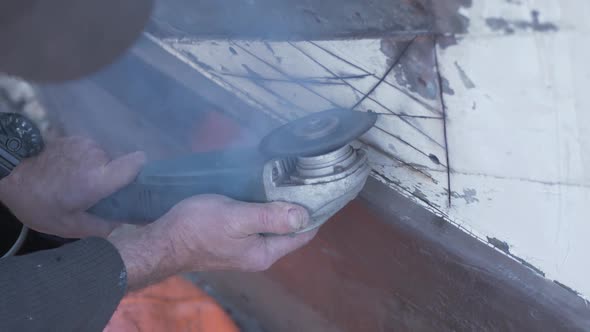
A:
{"x": 317, "y": 133}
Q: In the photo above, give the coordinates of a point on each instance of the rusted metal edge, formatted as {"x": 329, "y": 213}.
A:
{"x": 531, "y": 285}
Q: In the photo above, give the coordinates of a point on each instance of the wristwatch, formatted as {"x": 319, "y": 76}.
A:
{"x": 19, "y": 139}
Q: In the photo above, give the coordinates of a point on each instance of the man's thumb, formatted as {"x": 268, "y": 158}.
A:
{"x": 273, "y": 218}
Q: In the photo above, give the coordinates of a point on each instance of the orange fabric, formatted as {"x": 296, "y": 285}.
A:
{"x": 172, "y": 305}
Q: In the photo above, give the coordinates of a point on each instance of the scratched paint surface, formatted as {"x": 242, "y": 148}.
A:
{"x": 509, "y": 93}
{"x": 518, "y": 133}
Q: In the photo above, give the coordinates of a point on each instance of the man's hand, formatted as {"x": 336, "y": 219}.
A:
{"x": 51, "y": 192}
{"x": 211, "y": 232}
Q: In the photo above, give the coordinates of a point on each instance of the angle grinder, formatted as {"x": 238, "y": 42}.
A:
{"x": 308, "y": 162}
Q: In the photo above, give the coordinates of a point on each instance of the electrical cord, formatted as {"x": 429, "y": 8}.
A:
{"x": 18, "y": 243}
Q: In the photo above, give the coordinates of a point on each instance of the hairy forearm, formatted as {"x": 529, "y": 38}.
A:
{"x": 148, "y": 258}
{"x": 139, "y": 256}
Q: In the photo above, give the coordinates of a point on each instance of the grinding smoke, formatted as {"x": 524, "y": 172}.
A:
{"x": 131, "y": 105}
{"x": 139, "y": 103}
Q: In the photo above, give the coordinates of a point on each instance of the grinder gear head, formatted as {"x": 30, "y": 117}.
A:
{"x": 315, "y": 166}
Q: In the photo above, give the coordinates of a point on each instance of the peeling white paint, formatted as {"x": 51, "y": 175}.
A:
{"x": 524, "y": 148}
{"x": 518, "y": 122}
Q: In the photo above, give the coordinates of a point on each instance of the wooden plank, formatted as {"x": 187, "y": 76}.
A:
{"x": 290, "y": 19}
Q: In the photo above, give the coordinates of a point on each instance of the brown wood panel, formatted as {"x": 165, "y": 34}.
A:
{"x": 375, "y": 271}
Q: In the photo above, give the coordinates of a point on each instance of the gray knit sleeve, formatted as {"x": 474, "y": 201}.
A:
{"x": 73, "y": 288}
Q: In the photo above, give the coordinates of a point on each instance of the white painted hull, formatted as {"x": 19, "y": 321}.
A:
{"x": 515, "y": 130}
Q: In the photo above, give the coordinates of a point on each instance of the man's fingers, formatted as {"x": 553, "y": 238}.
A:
{"x": 273, "y": 218}
{"x": 279, "y": 246}
{"x": 118, "y": 173}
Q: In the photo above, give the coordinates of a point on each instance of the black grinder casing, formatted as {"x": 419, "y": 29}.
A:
{"x": 235, "y": 173}
{"x": 163, "y": 184}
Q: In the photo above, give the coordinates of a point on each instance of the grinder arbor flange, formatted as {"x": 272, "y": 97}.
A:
{"x": 307, "y": 162}
{"x": 323, "y": 184}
